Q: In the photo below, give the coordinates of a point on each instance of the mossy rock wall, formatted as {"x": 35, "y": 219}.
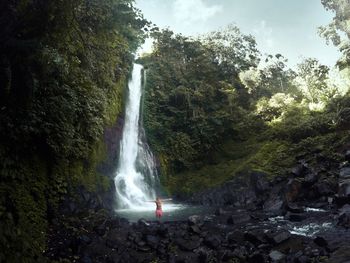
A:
{"x": 36, "y": 189}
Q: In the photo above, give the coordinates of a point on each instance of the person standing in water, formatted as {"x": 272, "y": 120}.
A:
{"x": 159, "y": 202}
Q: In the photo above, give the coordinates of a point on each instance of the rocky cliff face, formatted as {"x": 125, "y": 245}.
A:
{"x": 316, "y": 181}
{"x": 102, "y": 196}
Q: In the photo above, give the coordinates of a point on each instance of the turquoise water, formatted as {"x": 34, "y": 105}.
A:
{"x": 171, "y": 212}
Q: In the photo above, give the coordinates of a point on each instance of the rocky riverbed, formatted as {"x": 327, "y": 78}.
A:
{"x": 302, "y": 217}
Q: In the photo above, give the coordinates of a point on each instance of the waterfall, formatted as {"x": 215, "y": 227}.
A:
{"x": 136, "y": 176}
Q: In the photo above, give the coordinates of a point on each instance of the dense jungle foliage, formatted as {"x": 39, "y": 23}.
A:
{"x": 63, "y": 66}
{"x": 215, "y": 107}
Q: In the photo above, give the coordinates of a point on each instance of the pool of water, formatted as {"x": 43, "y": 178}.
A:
{"x": 171, "y": 212}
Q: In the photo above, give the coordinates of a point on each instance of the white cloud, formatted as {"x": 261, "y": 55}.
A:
{"x": 263, "y": 34}
{"x": 187, "y": 12}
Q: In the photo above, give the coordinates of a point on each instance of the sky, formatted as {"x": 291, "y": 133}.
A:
{"x": 288, "y": 27}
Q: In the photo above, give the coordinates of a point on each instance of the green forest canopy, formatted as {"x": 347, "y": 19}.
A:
{"x": 215, "y": 106}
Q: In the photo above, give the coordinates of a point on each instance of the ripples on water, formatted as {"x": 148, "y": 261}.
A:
{"x": 171, "y": 212}
{"x": 180, "y": 212}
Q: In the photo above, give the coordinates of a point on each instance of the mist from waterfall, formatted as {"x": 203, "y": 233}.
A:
{"x": 136, "y": 176}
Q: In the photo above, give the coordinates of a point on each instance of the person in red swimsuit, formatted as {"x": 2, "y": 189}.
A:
{"x": 159, "y": 202}
{"x": 159, "y": 211}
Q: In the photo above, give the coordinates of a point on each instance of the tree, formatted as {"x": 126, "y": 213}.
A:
{"x": 312, "y": 81}
{"x": 340, "y": 23}
{"x": 269, "y": 78}
{"x": 232, "y": 51}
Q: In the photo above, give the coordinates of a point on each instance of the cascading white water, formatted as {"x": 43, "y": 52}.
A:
{"x": 136, "y": 175}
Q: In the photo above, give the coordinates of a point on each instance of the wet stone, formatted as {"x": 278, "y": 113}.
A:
{"x": 344, "y": 173}
{"x": 320, "y": 241}
{"x": 278, "y": 237}
{"x": 212, "y": 241}
{"x": 295, "y": 217}
{"x": 152, "y": 241}
{"x": 187, "y": 245}
{"x": 194, "y": 220}
{"x": 238, "y": 219}
{"x": 276, "y": 256}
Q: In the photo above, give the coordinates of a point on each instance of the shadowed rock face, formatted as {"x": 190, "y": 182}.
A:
{"x": 102, "y": 198}
{"x": 112, "y": 136}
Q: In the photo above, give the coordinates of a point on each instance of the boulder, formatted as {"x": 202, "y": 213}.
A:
{"x": 116, "y": 239}
{"x": 256, "y": 257}
{"x": 340, "y": 255}
{"x": 275, "y": 204}
{"x": 324, "y": 188}
{"x": 310, "y": 179}
{"x": 345, "y": 209}
{"x": 344, "y": 189}
{"x": 320, "y": 241}
{"x": 100, "y": 229}
{"x": 259, "y": 182}
{"x": 194, "y": 220}
{"x": 213, "y": 241}
{"x": 344, "y": 173}
{"x": 344, "y": 220}
{"x": 293, "y": 190}
{"x": 294, "y": 208}
{"x": 238, "y": 219}
{"x": 143, "y": 222}
{"x": 347, "y": 155}
{"x": 295, "y": 217}
{"x": 152, "y": 241}
{"x": 220, "y": 211}
{"x": 84, "y": 240}
{"x": 276, "y": 256}
{"x": 195, "y": 229}
{"x": 299, "y": 170}
{"x": 235, "y": 237}
{"x": 187, "y": 245}
{"x": 278, "y": 236}
{"x": 256, "y": 237}
{"x": 204, "y": 254}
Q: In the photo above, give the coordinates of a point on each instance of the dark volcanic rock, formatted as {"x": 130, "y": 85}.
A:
{"x": 213, "y": 241}
{"x": 299, "y": 170}
{"x": 116, "y": 239}
{"x": 278, "y": 236}
{"x": 194, "y": 220}
{"x": 235, "y": 237}
{"x": 295, "y": 217}
{"x": 342, "y": 255}
{"x": 188, "y": 245}
{"x": 347, "y": 155}
{"x": 324, "y": 188}
{"x": 276, "y": 256}
{"x": 344, "y": 220}
{"x": 344, "y": 173}
{"x": 100, "y": 229}
{"x": 239, "y": 192}
{"x": 259, "y": 182}
{"x": 320, "y": 241}
{"x": 257, "y": 258}
{"x": 152, "y": 241}
{"x": 274, "y": 204}
{"x": 84, "y": 240}
{"x": 294, "y": 208}
{"x": 256, "y": 237}
{"x": 238, "y": 219}
{"x": 344, "y": 189}
{"x": 293, "y": 190}
{"x": 310, "y": 179}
